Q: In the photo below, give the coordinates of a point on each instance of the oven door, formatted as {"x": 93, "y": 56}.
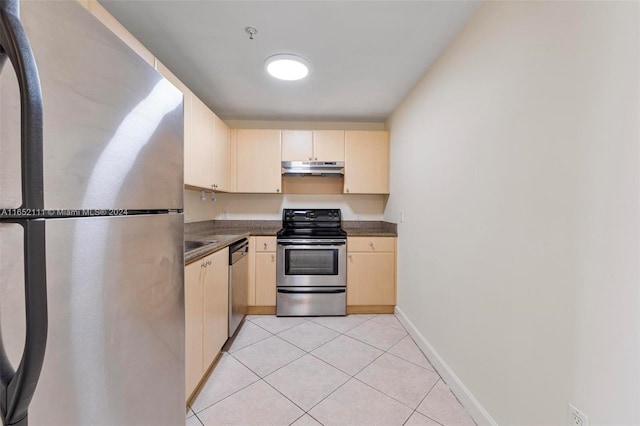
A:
{"x": 311, "y": 263}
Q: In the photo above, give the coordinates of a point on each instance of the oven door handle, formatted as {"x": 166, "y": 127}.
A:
{"x": 314, "y": 291}
{"x": 307, "y": 243}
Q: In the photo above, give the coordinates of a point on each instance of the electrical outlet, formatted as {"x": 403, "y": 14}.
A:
{"x": 577, "y": 417}
{"x": 225, "y": 215}
{"x": 358, "y": 216}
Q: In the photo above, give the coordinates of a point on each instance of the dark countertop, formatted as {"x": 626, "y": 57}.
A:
{"x": 221, "y": 241}
{"x": 227, "y": 232}
{"x": 366, "y": 228}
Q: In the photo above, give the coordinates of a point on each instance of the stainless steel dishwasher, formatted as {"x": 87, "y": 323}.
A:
{"x": 238, "y": 283}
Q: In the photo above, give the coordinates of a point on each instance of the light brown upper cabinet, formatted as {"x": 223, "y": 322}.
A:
{"x": 313, "y": 145}
{"x": 328, "y": 145}
{"x": 258, "y": 168}
{"x": 221, "y": 156}
{"x": 207, "y": 162}
{"x": 366, "y": 162}
{"x": 198, "y": 149}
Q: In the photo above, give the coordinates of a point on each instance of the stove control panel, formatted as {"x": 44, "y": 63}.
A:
{"x": 311, "y": 215}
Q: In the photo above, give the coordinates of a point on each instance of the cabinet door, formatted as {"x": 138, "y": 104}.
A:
{"x": 193, "y": 287}
{"x": 265, "y": 279}
{"x": 366, "y": 162}
{"x": 328, "y": 145}
{"x": 216, "y": 305}
{"x": 297, "y": 145}
{"x": 198, "y": 153}
{"x": 221, "y": 159}
{"x": 371, "y": 279}
{"x": 258, "y": 168}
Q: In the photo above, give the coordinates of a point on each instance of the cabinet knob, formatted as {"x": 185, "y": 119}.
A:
{"x": 278, "y": 190}
{"x": 350, "y": 257}
{"x": 273, "y": 257}
{"x": 371, "y": 245}
{"x": 346, "y": 190}
{"x": 316, "y": 158}
{"x": 265, "y": 246}
{"x": 310, "y": 158}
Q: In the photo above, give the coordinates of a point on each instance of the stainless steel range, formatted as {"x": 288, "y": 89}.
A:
{"x": 311, "y": 263}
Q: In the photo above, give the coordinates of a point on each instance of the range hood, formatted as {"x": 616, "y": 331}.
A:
{"x": 313, "y": 168}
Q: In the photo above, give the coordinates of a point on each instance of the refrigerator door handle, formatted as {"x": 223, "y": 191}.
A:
{"x": 15, "y": 46}
{"x": 17, "y": 387}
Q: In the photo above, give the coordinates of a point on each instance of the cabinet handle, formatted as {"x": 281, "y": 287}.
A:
{"x": 350, "y": 257}
{"x": 371, "y": 245}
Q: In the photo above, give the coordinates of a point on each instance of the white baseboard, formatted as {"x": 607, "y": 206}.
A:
{"x": 464, "y": 395}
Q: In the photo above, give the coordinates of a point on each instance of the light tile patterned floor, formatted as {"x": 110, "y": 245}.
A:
{"x": 353, "y": 370}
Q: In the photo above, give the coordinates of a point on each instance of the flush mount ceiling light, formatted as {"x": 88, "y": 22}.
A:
{"x": 287, "y": 67}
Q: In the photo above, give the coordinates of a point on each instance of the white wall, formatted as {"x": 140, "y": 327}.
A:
{"x": 269, "y": 206}
{"x": 515, "y": 164}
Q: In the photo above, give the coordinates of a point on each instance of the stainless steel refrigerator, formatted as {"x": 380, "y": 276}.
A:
{"x": 91, "y": 225}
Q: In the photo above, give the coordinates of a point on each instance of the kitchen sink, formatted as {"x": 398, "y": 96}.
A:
{"x": 190, "y": 245}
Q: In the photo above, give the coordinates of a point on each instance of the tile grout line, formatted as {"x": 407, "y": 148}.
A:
{"x": 415, "y": 410}
{"x": 351, "y": 376}
{"x": 395, "y": 356}
{"x": 233, "y": 393}
{"x": 309, "y": 352}
{"x": 284, "y": 365}
{"x": 332, "y": 339}
{"x": 325, "y": 362}
{"x": 398, "y": 357}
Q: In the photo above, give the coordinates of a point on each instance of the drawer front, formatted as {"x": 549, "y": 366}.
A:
{"x": 371, "y": 244}
{"x": 298, "y": 302}
{"x": 265, "y": 244}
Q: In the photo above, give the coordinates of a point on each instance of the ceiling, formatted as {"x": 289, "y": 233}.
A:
{"x": 365, "y": 55}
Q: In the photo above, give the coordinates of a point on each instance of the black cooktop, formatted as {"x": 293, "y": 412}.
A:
{"x": 312, "y": 233}
{"x": 311, "y": 223}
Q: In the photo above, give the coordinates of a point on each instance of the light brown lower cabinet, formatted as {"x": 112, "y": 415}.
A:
{"x": 371, "y": 271}
{"x": 206, "y": 314}
{"x": 216, "y": 307}
{"x": 371, "y": 274}
{"x": 265, "y": 271}
{"x": 265, "y": 279}
{"x": 193, "y": 313}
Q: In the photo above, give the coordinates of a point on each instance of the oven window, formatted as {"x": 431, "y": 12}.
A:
{"x": 311, "y": 262}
